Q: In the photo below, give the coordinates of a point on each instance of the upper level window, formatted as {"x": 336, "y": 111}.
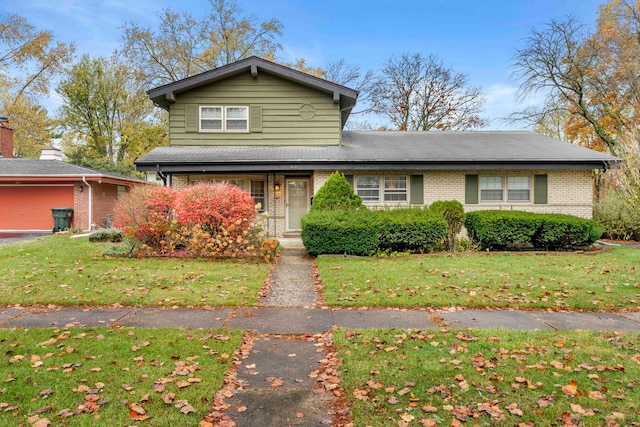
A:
{"x": 211, "y": 118}
{"x": 224, "y": 119}
{"x": 236, "y": 119}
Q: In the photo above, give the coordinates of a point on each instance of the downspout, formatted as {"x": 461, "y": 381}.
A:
{"x": 84, "y": 179}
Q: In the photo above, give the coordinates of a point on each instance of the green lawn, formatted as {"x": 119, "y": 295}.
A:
{"x": 592, "y": 281}
{"x": 112, "y": 377}
{"x": 64, "y": 271}
{"x": 490, "y": 377}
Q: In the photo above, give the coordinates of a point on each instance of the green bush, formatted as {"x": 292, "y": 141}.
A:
{"x": 410, "y": 230}
{"x": 106, "y": 235}
{"x": 517, "y": 229}
{"x": 618, "y": 222}
{"x": 453, "y": 213}
{"x": 340, "y": 232}
{"x": 336, "y": 193}
{"x": 566, "y": 232}
{"x": 364, "y": 232}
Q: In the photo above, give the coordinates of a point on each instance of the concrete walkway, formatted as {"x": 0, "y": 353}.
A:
{"x": 277, "y": 376}
{"x": 304, "y": 321}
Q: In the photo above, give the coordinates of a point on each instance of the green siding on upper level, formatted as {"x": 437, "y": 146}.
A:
{"x": 280, "y": 101}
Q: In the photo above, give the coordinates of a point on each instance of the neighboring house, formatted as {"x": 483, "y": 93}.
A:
{"x": 30, "y": 188}
{"x": 277, "y": 133}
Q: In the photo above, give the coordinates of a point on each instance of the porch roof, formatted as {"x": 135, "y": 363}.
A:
{"x": 388, "y": 150}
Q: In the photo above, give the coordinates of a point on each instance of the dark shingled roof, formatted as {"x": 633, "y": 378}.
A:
{"x": 474, "y": 150}
{"x": 18, "y": 168}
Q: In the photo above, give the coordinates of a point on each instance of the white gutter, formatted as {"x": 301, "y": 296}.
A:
{"x": 84, "y": 179}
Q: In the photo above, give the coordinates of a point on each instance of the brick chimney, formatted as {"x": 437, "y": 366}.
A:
{"x": 6, "y": 138}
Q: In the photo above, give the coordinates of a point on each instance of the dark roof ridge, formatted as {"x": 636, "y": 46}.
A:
{"x": 253, "y": 58}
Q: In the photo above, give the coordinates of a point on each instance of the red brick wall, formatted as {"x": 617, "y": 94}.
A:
{"x": 104, "y": 200}
{"x": 6, "y": 140}
{"x": 80, "y": 206}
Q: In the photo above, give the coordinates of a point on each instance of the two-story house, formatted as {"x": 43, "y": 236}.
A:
{"x": 278, "y": 133}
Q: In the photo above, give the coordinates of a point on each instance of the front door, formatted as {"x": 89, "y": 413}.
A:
{"x": 297, "y": 202}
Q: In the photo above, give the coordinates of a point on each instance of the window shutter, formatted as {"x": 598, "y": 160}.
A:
{"x": 471, "y": 189}
{"x": 255, "y": 118}
{"x": 349, "y": 179}
{"x": 191, "y": 118}
{"x": 417, "y": 190}
{"x": 540, "y": 189}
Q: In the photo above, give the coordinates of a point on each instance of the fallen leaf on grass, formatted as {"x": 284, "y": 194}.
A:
{"x": 407, "y": 417}
{"x": 596, "y": 395}
{"x": 513, "y": 408}
{"x": 137, "y": 412}
{"x": 184, "y": 406}
{"x": 168, "y": 398}
{"x": 42, "y": 422}
{"x": 570, "y": 389}
{"x": 46, "y": 393}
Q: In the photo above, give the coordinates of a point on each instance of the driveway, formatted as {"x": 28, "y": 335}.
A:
{"x": 14, "y": 237}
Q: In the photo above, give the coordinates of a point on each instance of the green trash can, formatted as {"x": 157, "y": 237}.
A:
{"x": 61, "y": 218}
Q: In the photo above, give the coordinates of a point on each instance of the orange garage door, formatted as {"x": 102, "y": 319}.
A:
{"x": 28, "y": 207}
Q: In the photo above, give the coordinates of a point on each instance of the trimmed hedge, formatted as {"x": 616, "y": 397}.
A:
{"x": 517, "y": 229}
{"x": 364, "y": 232}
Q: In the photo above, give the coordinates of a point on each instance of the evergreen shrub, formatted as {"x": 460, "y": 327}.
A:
{"x": 516, "y": 230}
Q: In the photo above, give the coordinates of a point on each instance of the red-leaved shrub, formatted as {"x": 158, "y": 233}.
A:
{"x": 145, "y": 213}
{"x": 215, "y": 207}
{"x": 203, "y": 220}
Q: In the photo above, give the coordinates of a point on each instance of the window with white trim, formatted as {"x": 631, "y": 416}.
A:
{"x": 518, "y": 189}
{"x": 236, "y": 119}
{"x": 393, "y": 188}
{"x": 257, "y": 190}
{"x": 368, "y": 188}
{"x": 492, "y": 188}
{"x": 224, "y": 119}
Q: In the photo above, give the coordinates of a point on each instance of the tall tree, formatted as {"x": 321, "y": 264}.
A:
{"x": 29, "y": 59}
{"x": 108, "y": 117}
{"x": 353, "y": 77}
{"x": 590, "y": 78}
{"x": 184, "y": 45}
{"x": 421, "y": 93}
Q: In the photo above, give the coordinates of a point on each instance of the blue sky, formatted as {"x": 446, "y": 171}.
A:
{"x": 475, "y": 37}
